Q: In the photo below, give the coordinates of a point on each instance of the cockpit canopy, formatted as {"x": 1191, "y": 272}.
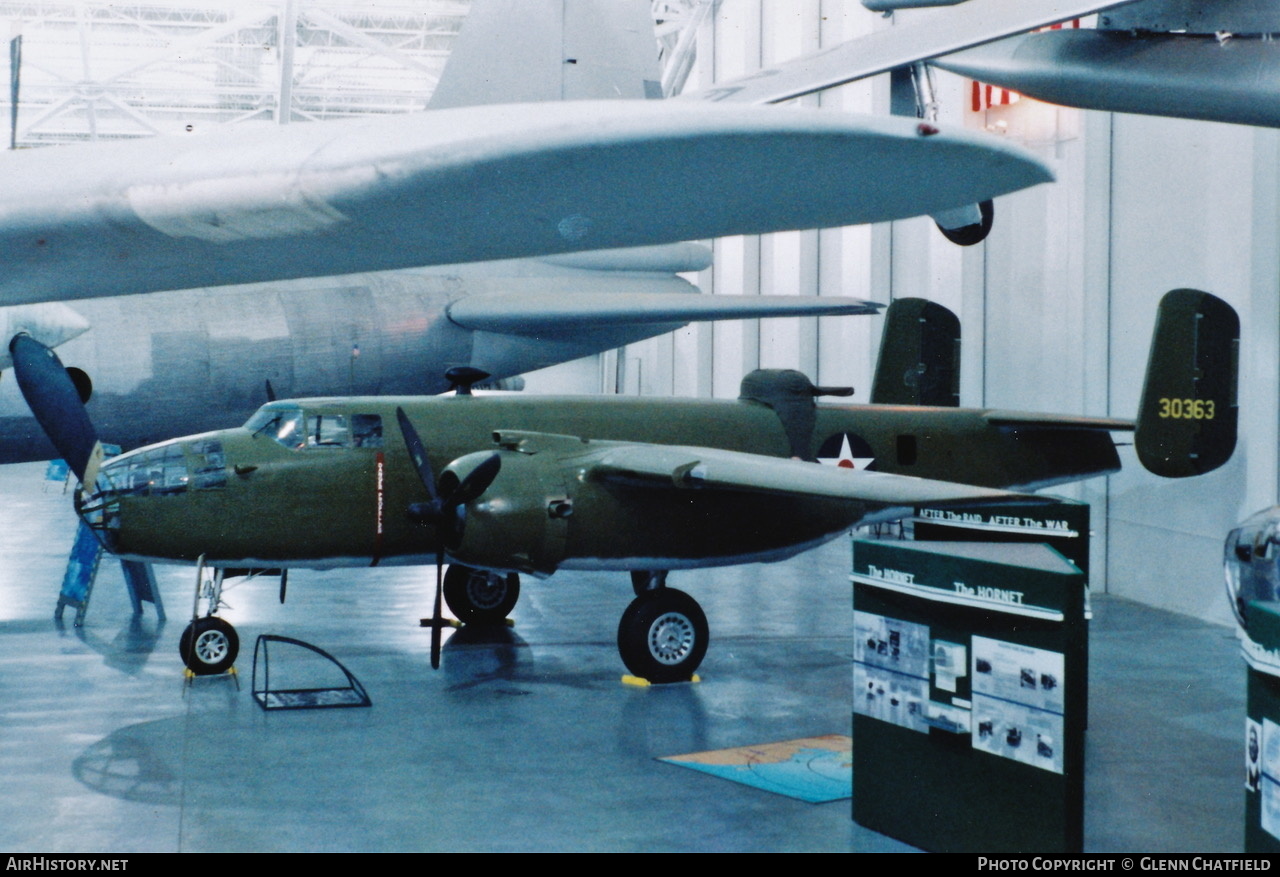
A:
{"x": 292, "y": 427}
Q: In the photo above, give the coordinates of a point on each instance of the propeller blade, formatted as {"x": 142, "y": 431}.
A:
{"x": 437, "y": 616}
{"x": 284, "y": 582}
{"x": 418, "y": 453}
{"x": 54, "y": 401}
{"x": 476, "y": 482}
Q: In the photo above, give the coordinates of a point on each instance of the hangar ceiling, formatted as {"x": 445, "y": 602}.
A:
{"x": 98, "y": 70}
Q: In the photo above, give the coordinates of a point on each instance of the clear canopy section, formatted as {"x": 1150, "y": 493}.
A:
{"x": 166, "y": 469}
{"x": 292, "y": 427}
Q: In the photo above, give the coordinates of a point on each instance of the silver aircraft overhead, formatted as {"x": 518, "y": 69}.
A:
{"x": 960, "y": 26}
{"x": 163, "y": 363}
{"x": 467, "y": 183}
{"x": 538, "y": 139}
{"x": 1215, "y": 60}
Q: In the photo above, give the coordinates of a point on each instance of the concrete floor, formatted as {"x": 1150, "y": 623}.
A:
{"x": 530, "y": 742}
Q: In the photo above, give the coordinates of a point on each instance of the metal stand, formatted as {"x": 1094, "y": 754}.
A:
{"x": 350, "y": 695}
{"x": 82, "y": 568}
{"x": 82, "y": 572}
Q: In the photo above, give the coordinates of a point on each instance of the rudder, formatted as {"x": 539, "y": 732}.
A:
{"x": 1187, "y": 420}
{"x": 919, "y": 360}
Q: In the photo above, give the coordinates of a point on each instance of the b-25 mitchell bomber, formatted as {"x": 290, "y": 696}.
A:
{"x": 508, "y": 484}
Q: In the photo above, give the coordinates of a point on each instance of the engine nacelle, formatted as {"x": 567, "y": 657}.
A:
{"x": 559, "y": 499}
{"x": 1251, "y": 562}
{"x": 520, "y": 522}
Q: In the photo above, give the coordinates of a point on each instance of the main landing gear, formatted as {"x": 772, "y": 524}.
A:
{"x": 479, "y": 596}
{"x": 663, "y": 634}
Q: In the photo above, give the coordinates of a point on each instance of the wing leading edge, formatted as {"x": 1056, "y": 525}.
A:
{"x": 673, "y": 467}
{"x": 465, "y": 185}
{"x": 539, "y": 314}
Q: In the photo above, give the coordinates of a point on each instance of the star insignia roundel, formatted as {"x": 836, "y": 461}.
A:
{"x": 848, "y": 451}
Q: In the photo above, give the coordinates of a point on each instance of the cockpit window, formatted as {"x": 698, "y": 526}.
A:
{"x": 288, "y": 425}
{"x": 208, "y": 464}
{"x": 327, "y": 431}
{"x": 282, "y": 423}
{"x": 366, "y": 430}
{"x": 157, "y": 472}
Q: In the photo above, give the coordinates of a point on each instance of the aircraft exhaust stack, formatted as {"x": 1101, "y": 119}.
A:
{"x": 1187, "y": 419}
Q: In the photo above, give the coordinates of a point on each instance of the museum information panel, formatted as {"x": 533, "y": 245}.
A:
{"x": 968, "y": 686}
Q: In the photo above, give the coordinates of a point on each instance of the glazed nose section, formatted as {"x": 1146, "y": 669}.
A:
{"x": 1251, "y": 562}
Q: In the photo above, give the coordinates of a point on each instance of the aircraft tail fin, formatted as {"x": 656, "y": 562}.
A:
{"x": 522, "y": 51}
{"x": 919, "y": 355}
{"x": 1187, "y": 418}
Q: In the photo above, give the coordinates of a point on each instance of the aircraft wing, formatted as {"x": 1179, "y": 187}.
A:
{"x": 938, "y": 33}
{"x": 1058, "y": 421}
{"x": 463, "y": 185}
{"x": 675, "y": 467}
{"x": 551, "y": 313}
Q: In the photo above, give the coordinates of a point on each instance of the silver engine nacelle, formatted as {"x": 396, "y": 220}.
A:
{"x": 1251, "y": 562}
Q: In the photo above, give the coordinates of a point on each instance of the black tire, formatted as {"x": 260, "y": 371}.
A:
{"x": 208, "y": 646}
{"x": 663, "y": 636}
{"x": 479, "y": 596}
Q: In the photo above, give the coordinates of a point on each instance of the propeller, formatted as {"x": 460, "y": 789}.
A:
{"x": 56, "y": 403}
{"x": 440, "y": 511}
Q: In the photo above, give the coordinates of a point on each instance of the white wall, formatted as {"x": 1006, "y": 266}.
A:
{"x": 1193, "y": 204}
{"x": 1056, "y": 307}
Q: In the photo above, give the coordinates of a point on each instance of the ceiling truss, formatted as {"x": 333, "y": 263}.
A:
{"x": 95, "y": 70}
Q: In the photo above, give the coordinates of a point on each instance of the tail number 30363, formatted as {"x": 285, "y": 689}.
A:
{"x": 1187, "y": 409}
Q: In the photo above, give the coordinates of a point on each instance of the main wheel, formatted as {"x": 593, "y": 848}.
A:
{"x": 479, "y": 596}
{"x": 208, "y": 646}
{"x": 663, "y": 636}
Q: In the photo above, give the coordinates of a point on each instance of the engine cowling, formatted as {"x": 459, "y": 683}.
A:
{"x": 520, "y": 522}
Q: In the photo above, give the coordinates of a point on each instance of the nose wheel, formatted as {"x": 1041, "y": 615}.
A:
{"x": 663, "y": 636}
{"x": 209, "y": 646}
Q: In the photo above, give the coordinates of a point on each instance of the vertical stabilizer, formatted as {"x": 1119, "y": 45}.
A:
{"x": 919, "y": 355}
{"x": 525, "y": 51}
{"x": 1187, "y": 420}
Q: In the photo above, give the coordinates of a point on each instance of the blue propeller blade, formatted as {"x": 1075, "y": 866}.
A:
{"x": 54, "y": 401}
